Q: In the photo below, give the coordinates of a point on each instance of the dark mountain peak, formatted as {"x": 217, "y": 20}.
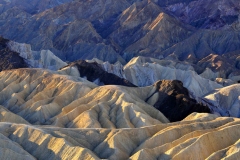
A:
{"x": 10, "y": 59}
{"x": 169, "y": 86}
{"x": 3, "y": 43}
{"x": 174, "y": 100}
{"x": 114, "y": 31}
{"x": 95, "y": 73}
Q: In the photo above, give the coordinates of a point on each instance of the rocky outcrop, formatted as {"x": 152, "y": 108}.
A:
{"x": 147, "y": 27}
{"x": 55, "y": 29}
{"x": 220, "y": 99}
{"x": 37, "y": 59}
{"x": 204, "y": 43}
{"x": 119, "y": 30}
{"x": 225, "y": 101}
{"x": 116, "y": 68}
{"x": 62, "y": 115}
{"x": 19, "y": 55}
{"x": 42, "y": 97}
{"x": 95, "y": 73}
{"x": 223, "y": 65}
{"x": 143, "y": 71}
{"x": 172, "y": 99}
{"x": 44, "y": 115}
{"x": 9, "y": 58}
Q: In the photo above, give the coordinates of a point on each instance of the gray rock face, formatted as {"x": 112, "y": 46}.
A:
{"x": 143, "y": 71}
{"x": 36, "y": 59}
{"x": 31, "y": 6}
{"x": 67, "y": 30}
{"x": 119, "y": 30}
{"x": 225, "y": 101}
{"x": 95, "y": 73}
{"x": 203, "y": 43}
{"x": 222, "y": 96}
{"x": 59, "y": 115}
{"x": 211, "y": 14}
{"x": 216, "y": 50}
{"x": 19, "y": 55}
{"x": 45, "y": 115}
{"x": 114, "y": 27}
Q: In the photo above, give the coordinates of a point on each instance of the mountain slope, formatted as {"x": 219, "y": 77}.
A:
{"x": 112, "y": 30}
{"x": 18, "y": 55}
{"x": 65, "y": 29}
{"x": 9, "y": 58}
{"x": 172, "y": 99}
{"x": 143, "y": 71}
{"x": 94, "y": 73}
{"x": 225, "y": 101}
{"x": 169, "y": 97}
{"x": 44, "y": 97}
{"x": 66, "y": 117}
{"x": 110, "y": 104}
{"x": 210, "y": 14}
{"x": 200, "y": 136}
{"x": 203, "y": 43}
{"x": 37, "y": 59}
{"x": 31, "y": 6}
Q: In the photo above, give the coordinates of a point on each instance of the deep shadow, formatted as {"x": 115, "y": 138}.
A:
{"x": 94, "y": 71}
{"x": 174, "y": 101}
{"x": 10, "y": 59}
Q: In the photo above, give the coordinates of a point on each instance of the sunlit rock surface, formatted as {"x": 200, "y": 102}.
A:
{"x": 120, "y": 30}
{"x": 211, "y": 136}
{"x": 46, "y": 115}
{"x": 60, "y": 114}
{"x": 42, "y": 97}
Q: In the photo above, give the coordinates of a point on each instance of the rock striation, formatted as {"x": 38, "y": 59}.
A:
{"x": 201, "y": 14}
{"x": 46, "y": 115}
{"x": 189, "y": 31}
{"x": 31, "y": 6}
{"x": 55, "y": 28}
{"x": 169, "y": 97}
{"x": 177, "y": 141}
{"x": 42, "y": 97}
{"x": 37, "y": 59}
{"x": 143, "y": 71}
{"x": 225, "y": 101}
{"x": 19, "y": 55}
{"x": 117, "y": 104}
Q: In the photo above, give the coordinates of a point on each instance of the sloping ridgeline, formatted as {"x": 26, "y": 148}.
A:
{"x": 10, "y": 59}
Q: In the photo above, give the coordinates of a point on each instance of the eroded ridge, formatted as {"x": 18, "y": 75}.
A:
{"x": 199, "y": 136}
{"x": 42, "y": 97}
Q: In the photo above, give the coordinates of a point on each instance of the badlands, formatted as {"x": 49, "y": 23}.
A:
{"x": 46, "y": 115}
{"x": 119, "y": 79}
{"x": 90, "y": 109}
